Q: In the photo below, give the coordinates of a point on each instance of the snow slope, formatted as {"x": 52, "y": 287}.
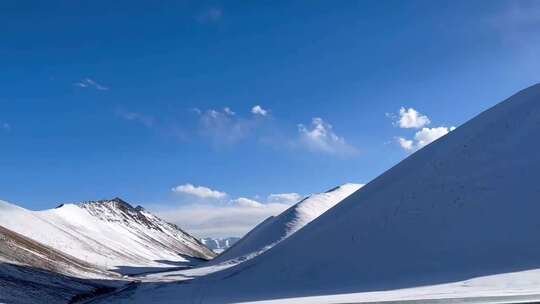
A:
{"x": 33, "y": 273}
{"x": 20, "y": 250}
{"x": 275, "y": 229}
{"x": 107, "y": 233}
{"x": 462, "y": 207}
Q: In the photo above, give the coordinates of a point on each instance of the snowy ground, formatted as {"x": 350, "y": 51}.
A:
{"x": 186, "y": 286}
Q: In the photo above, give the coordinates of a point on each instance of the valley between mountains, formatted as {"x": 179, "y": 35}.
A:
{"x": 456, "y": 221}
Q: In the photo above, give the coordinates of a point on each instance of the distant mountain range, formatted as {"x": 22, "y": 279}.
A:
{"x": 218, "y": 245}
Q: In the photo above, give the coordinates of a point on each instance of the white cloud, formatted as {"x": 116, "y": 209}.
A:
{"x": 410, "y": 118}
{"x": 406, "y": 144}
{"x": 321, "y": 138}
{"x": 221, "y": 220}
{"x": 428, "y": 135}
{"x": 228, "y": 111}
{"x": 284, "y": 198}
{"x": 90, "y": 83}
{"x": 423, "y": 138}
{"x": 211, "y": 217}
{"x": 258, "y": 110}
{"x": 246, "y": 202}
{"x": 199, "y": 191}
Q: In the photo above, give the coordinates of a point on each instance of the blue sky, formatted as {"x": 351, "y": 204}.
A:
{"x": 133, "y": 99}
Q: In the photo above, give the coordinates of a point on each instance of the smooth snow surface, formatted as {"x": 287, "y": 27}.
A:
{"x": 518, "y": 287}
{"x": 465, "y": 206}
{"x": 106, "y": 233}
{"x": 275, "y": 229}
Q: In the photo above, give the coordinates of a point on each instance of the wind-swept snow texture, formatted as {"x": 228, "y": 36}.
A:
{"x": 108, "y": 233}
{"x": 275, "y": 229}
{"x": 464, "y": 206}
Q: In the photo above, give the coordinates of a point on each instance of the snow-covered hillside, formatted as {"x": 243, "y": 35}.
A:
{"x": 275, "y": 229}
{"x": 20, "y": 250}
{"x": 218, "y": 245}
{"x": 34, "y": 273}
{"x": 464, "y": 206}
{"x": 108, "y": 233}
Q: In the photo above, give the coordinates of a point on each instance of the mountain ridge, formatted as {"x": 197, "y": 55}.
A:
{"x": 277, "y": 228}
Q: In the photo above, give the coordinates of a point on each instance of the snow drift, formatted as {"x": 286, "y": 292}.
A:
{"x": 464, "y": 206}
{"x": 277, "y": 228}
{"x": 108, "y": 233}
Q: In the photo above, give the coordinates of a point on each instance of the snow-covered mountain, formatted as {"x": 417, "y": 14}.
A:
{"x": 277, "y": 228}
{"x": 31, "y": 272}
{"x": 465, "y": 206}
{"x": 218, "y": 245}
{"x": 108, "y": 233}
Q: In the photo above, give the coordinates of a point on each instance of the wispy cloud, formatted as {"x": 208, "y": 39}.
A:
{"x": 225, "y": 127}
{"x": 320, "y": 137}
{"x": 146, "y": 120}
{"x": 234, "y": 218}
{"x": 89, "y": 83}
